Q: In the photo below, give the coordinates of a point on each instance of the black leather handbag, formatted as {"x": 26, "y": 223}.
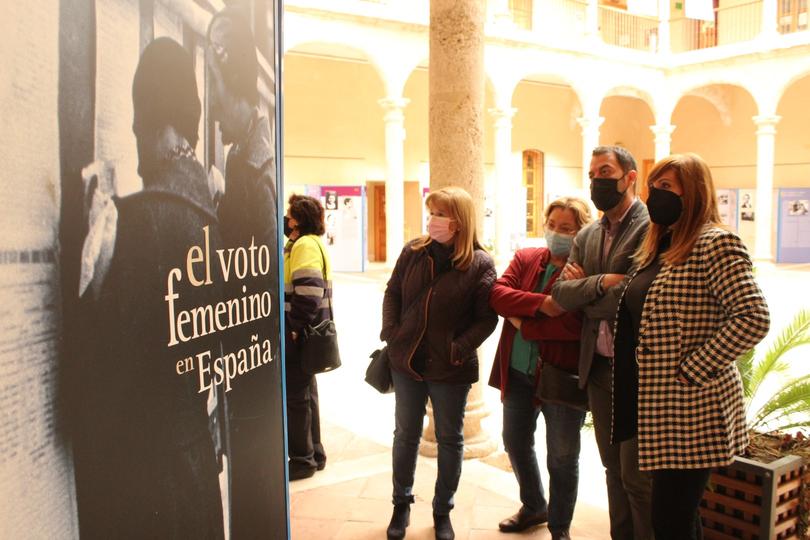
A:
{"x": 318, "y": 349}
{"x": 378, "y": 373}
{"x": 560, "y": 387}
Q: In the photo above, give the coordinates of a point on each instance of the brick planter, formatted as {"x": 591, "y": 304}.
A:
{"x": 753, "y": 501}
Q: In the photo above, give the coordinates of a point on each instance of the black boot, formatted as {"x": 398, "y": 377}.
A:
{"x": 444, "y": 529}
{"x": 400, "y": 520}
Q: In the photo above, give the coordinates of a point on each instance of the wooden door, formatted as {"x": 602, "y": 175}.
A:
{"x": 533, "y": 180}
{"x": 379, "y": 222}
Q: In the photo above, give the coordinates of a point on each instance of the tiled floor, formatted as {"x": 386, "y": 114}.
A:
{"x": 350, "y": 499}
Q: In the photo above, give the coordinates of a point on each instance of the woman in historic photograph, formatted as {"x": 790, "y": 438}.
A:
{"x": 687, "y": 314}
{"x": 146, "y": 465}
{"x": 538, "y": 332}
{"x": 435, "y": 315}
{"x": 307, "y": 284}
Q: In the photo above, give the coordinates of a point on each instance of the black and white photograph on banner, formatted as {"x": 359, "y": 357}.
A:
{"x": 330, "y": 200}
{"x": 157, "y": 354}
{"x": 746, "y": 207}
{"x": 798, "y": 207}
{"x": 727, "y": 206}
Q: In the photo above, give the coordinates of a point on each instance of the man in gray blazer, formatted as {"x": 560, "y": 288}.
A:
{"x": 592, "y": 281}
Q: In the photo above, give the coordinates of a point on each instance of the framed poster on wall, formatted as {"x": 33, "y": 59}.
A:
{"x": 727, "y": 205}
{"x": 793, "y": 233}
{"x": 345, "y": 208}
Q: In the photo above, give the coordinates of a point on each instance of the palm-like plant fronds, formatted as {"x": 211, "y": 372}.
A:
{"x": 790, "y": 403}
{"x": 745, "y": 363}
{"x": 789, "y": 407}
{"x": 796, "y": 333}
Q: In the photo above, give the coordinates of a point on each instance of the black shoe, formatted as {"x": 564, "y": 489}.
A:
{"x": 400, "y": 520}
{"x": 321, "y": 465}
{"x": 522, "y": 520}
{"x": 561, "y": 535}
{"x": 300, "y": 472}
{"x": 444, "y": 529}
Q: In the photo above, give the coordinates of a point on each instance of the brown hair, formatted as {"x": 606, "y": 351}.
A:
{"x": 699, "y": 209}
{"x": 460, "y": 207}
{"x": 308, "y": 212}
{"x": 578, "y": 207}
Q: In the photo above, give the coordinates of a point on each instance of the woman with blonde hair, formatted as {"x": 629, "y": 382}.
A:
{"x": 537, "y": 333}
{"x": 689, "y": 311}
{"x": 435, "y": 315}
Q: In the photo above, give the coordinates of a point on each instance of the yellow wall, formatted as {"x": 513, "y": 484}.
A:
{"x": 333, "y": 127}
{"x": 627, "y": 123}
{"x": 546, "y": 121}
{"x": 793, "y": 137}
{"x": 728, "y": 145}
{"x": 416, "y": 123}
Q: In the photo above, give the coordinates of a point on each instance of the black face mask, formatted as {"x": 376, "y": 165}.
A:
{"x": 664, "y": 206}
{"x": 287, "y": 229}
{"x": 604, "y": 193}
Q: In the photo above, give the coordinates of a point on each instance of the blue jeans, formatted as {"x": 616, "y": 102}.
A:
{"x": 562, "y": 445}
{"x": 448, "y": 413}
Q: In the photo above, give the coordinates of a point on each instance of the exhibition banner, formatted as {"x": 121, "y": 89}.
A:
{"x": 142, "y": 384}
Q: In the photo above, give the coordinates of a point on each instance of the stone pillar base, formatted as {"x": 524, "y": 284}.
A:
{"x": 477, "y": 442}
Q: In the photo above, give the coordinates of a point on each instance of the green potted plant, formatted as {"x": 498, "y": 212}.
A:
{"x": 763, "y": 495}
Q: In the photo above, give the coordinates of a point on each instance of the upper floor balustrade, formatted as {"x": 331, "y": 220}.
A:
{"x": 569, "y": 23}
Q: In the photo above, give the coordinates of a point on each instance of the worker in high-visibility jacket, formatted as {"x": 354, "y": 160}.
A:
{"x": 307, "y": 295}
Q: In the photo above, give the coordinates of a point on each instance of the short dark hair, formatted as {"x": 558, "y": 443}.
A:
{"x": 308, "y": 212}
{"x": 626, "y": 160}
{"x": 241, "y": 71}
{"x": 164, "y": 90}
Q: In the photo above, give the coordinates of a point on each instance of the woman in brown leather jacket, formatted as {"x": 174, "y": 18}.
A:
{"x": 435, "y": 315}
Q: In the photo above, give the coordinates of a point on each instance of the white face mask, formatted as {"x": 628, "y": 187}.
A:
{"x": 439, "y": 229}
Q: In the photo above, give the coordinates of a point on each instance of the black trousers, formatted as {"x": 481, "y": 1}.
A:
{"x": 676, "y": 495}
{"x": 303, "y": 420}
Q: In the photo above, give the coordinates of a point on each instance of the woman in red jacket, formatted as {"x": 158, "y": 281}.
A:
{"x": 537, "y": 331}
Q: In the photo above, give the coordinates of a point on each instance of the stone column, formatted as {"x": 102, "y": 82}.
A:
{"x": 592, "y": 19}
{"x": 769, "y": 20}
{"x": 590, "y": 140}
{"x": 664, "y": 42}
{"x": 504, "y": 185}
{"x": 500, "y": 13}
{"x": 395, "y": 176}
{"x": 456, "y": 103}
{"x": 763, "y": 211}
{"x": 663, "y": 140}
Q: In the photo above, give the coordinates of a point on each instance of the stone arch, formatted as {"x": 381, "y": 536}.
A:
{"x": 788, "y": 82}
{"x": 632, "y": 92}
{"x": 335, "y": 51}
{"x": 711, "y": 91}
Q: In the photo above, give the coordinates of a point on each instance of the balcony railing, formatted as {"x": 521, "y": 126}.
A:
{"x": 624, "y": 29}
{"x": 557, "y": 20}
{"x": 561, "y": 22}
{"x": 733, "y": 24}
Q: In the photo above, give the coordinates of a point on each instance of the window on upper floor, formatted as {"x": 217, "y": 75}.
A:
{"x": 521, "y": 11}
{"x": 792, "y": 16}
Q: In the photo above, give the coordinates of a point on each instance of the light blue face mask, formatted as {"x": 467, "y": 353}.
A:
{"x": 559, "y": 244}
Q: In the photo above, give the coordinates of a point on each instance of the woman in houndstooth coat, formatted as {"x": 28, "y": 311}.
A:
{"x": 691, "y": 308}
